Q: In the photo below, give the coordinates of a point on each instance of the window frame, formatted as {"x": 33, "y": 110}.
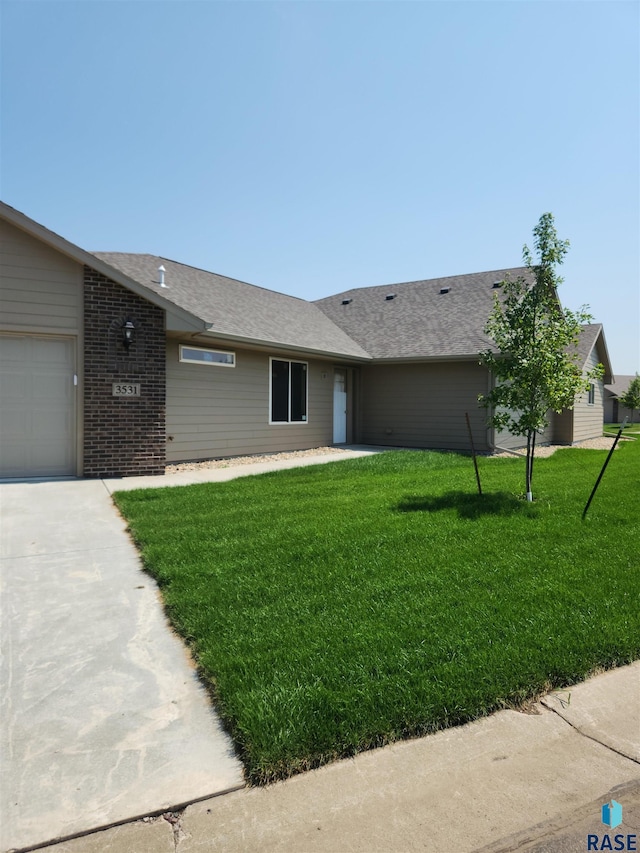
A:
{"x": 289, "y": 422}
{"x": 203, "y": 361}
{"x": 591, "y": 394}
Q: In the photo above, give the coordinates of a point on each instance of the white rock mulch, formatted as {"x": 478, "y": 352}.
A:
{"x": 602, "y": 443}
{"x": 232, "y": 461}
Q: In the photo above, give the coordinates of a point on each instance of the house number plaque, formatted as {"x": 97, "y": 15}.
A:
{"x": 126, "y": 389}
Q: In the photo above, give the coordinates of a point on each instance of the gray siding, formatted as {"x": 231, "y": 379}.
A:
{"x": 224, "y": 411}
{"x": 510, "y": 441}
{"x": 588, "y": 418}
{"x": 617, "y": 414}
{"x": 40, "y": 289}
{"x": 424, "y": 405}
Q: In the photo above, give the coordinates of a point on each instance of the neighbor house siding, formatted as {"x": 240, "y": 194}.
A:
{"x": 615, "y": 412}
{"x": 217, "y": 411}
{"x": 424, "y": 405}
{"x": 40, "y": 289}
{"x": 510, "y": 441}
{"x": 588, "y": 417}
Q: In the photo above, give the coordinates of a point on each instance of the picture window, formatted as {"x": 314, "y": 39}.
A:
{"x": 288, "y": 391}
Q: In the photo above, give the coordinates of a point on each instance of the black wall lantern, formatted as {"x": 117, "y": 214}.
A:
{"x": 128, "y": 333}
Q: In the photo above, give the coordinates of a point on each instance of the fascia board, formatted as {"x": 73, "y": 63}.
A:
{"x": 257, "y": 343}
{"x": 432, "y": 359}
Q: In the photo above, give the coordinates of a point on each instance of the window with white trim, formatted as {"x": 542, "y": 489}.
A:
{"x": 288, "y": 391}
{"x": 202, "y": 355}
{"x": 592, "y": 394}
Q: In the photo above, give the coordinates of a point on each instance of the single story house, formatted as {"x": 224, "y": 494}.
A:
{"x": 614, "y": 411}
{"x": 118, "y": 364}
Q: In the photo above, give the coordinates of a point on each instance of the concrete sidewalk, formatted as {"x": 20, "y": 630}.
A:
{"x": 511, "y": 781}
{"x": 99, "y": 731}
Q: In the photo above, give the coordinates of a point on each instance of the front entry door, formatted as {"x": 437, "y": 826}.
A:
{"x": 339, "y": 406}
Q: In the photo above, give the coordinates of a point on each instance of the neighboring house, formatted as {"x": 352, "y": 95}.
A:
{"x": 116, "y": 364}
{"x": 424, "y": 376}
{"x": 614, "y": 411}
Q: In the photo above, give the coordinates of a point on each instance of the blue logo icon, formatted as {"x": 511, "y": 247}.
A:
{"x": 612, "y": 814}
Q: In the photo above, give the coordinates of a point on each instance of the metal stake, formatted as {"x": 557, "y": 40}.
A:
{"x": 473, "y": 453}
{"x": 604, "y": 467}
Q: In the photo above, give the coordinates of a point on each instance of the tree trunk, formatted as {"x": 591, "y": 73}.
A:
{"x": 533, "y": 456}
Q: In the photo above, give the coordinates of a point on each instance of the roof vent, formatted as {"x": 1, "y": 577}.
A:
{"x": 496, "y": 285}
{"x": 390, "y": 296}
{"x": 445, "y": 289}
{"x": 346, "y": 301}
{"x": 161, "y": 272}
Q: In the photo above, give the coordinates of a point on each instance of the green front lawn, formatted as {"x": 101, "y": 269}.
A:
{"x": 630, "y": 429}
{"x": 343, "y": 606}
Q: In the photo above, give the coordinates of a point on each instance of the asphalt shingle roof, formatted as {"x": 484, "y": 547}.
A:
{"x": 439, "y": 318}
{"x": 620, "y": 385}
{"x": 421, "y": 321}
{"x": 589, "y": 333}
{"x": 234, "y": 308}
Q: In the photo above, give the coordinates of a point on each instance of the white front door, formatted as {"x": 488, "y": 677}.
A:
{"x": 339, "y": 406}
{"x": 37, "y": 410}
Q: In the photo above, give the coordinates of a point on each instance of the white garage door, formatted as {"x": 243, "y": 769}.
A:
{"x": 37, "y": 406}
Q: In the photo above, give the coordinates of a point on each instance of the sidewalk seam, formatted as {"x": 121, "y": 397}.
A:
{"x": 594, "y": 739}
{"x": 157, "y": 813}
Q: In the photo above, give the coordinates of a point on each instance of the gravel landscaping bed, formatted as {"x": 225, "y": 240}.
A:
{"x": 233, "y": 461}
{"x": 601, "y": 443}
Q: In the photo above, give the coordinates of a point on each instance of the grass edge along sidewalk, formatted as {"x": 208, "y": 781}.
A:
{"x": 336, "y": 608}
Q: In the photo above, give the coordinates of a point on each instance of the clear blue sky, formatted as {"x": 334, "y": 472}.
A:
{"x": 310, "y": 147}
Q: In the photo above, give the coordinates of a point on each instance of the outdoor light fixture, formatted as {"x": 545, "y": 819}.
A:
{"x": 128, "y": 331}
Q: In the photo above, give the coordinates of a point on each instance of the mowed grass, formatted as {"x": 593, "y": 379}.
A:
{"x": 343, "y": 606}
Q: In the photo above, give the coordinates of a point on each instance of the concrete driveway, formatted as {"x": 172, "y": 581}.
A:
{"x": 103, "y": 717}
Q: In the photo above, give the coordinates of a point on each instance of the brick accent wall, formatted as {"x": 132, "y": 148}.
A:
{"x": 123, "y": 436}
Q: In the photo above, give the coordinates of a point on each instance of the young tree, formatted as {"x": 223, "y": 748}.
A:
{"x": 631, "y": 397}
{"x": 535, "y": 369}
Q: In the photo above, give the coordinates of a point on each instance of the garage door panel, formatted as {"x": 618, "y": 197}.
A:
{"x": 14, "y": 349}
{"x": 14, "y": 458}
{"x": 37, "y": 406}
{"x": 14, "y": 387}
{"x": 14, "y": 425}
{"x": 46, "y": 451}
{"x": 49, "y": 353}
{"x": 50, "y": 427}
{"x": 52, "y": 386}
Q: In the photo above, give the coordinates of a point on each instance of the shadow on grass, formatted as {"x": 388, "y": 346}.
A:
{"x": 467, "y": 505}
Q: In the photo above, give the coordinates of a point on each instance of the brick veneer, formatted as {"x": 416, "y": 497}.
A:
{"x": 122, "y": 436}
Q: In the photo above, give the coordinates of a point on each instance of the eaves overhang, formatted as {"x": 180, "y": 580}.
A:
{"x": 608, "y": 377}
{"x": 210, "y": 333}
{"x": 75, "y": 253}
{"x": 431, "y": 359}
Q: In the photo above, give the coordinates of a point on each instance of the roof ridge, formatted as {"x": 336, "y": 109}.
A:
{"x": 423, "y": 281}
{"x": 207, "y": 272}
